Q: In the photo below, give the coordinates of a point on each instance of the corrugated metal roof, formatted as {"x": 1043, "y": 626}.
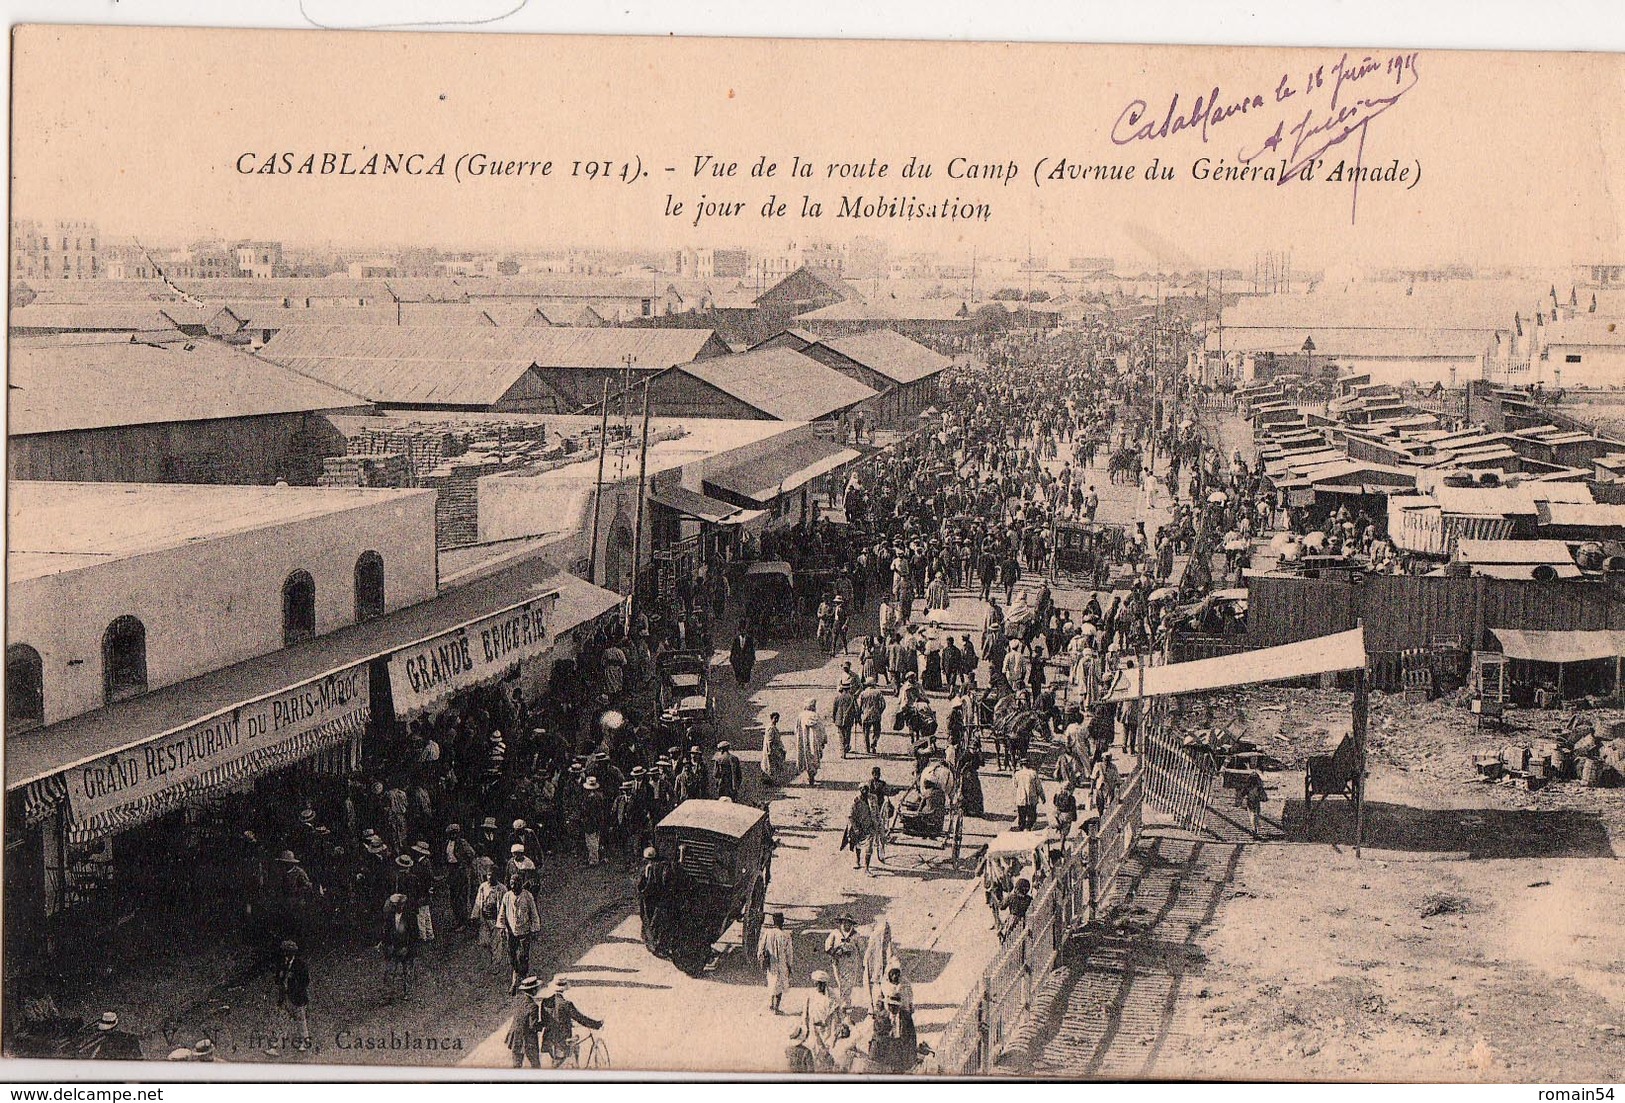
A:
{"x": 685, "y": 501}
{"x": 781, "y": 383}
{"x": 99, "y": 317}
{"x": 415, "y": 382}
{"x": 77, "y": 384}
{"x": 544, "y": 346}
{"x": 889, "y": 353}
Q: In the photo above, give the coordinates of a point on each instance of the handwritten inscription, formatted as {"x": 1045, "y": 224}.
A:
{"x": 1300, "y": 118}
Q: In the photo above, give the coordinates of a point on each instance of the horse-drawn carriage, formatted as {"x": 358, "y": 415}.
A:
{"x": 1085, "y": 547}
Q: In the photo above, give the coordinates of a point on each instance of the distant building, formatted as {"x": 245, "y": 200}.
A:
{"x": 63, "y": 250}
{"x": 373, "y": 269}
{"x": 164, "y": 408}
{"x": 260, "y": 260}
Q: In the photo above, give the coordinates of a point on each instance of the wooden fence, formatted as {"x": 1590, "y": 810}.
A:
{"x": 1078, "y": 889}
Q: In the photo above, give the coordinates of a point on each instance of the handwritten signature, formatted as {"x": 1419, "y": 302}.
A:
{"x": 1333, "y": 103}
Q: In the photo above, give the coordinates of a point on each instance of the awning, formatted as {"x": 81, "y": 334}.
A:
{"x": 746, "y": 517}
{"x": 1561, "y": 647}
{"x": 37, "y": 754}
{"x": 1323, "y": 655}
{"x": 426, "y": 672}
{"x": 765, "y": 478}
{"x": 121, "y": 790}
{"x": 690, "y": 504}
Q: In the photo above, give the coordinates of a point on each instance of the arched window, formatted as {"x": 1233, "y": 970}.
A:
{"x": 124, "y": 659}
{"x": 25, "y": 688}
{"x": 369, "y": 586}
{"x": 298, "y": 608}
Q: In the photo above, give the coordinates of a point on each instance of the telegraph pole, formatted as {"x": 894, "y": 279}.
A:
{"x": 637, "y": 531}
{"x": 598, "y": 486}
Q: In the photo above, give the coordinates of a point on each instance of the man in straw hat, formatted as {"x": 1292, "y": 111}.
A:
{"x": 108, "y": 1043}
{"x": 525, "y": 1024}
{"x": 559, "y": 1016}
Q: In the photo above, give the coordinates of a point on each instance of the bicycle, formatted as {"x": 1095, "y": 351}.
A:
{"x": 585, "y": 1051}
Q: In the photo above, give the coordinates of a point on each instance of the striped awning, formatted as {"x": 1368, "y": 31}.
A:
{"x": 263, "y": 760}
{"x": 41, "y": 798}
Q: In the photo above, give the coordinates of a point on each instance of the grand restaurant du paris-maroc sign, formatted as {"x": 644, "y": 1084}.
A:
{"x": 243, "y": 739}
{"x": 425, "y": 673}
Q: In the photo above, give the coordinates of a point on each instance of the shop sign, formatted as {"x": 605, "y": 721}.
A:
{"x": 425, "y": 673}
{"x": 253, "y": 731}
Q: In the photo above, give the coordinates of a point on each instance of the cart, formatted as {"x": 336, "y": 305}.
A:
{"x": 914, "y": 822}
{"x": 769, "y": 598}
{"x": 684, "y": 692}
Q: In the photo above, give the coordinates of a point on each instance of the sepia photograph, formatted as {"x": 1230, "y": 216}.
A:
{"x": 613, "y": 557}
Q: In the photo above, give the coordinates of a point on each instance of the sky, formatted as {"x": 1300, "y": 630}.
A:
{"x": 1510, "y": 159}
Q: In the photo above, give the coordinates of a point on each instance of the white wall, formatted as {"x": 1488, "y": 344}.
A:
{"x": 1599, "y": 366}
{"x": 217, "y": 602}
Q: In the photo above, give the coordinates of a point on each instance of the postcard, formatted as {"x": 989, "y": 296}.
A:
{"x": 814, "y": 558}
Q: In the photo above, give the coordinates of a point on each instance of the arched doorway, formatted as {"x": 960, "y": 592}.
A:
{"x": 25, "y": 688}
{"x": 298, "y": 608}
{"x": 369, "y": 586}
{"x": 124, "y": 659}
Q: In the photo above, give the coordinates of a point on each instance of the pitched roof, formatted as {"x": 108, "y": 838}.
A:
{"x": 544, "y": 346}
{"x": 889, "y": 353}
{"x": 97, "y": 317}
{"x": 889, "y": 310}
{"x": 85, "y": 384}
{"x": 781, "y": 383}
{"x": 415, "y": 382}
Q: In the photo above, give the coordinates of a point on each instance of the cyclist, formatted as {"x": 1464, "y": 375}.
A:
{"x": 559, "y": 1016}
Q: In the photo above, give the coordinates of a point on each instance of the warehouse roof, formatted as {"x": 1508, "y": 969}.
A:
{"x": 1372, "y": 343}
{"x": 415, "y": 382}
{"x": 544, "y": 346}
{"x": 100, "y": 317}
{"x": 889, "y": 310}
{"x": 781, "y": 383}
{"x": 61, "y": 385}
{"x": 889, "y": 353}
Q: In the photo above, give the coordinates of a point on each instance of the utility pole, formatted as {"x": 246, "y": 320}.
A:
{"x": 626, "y": 415}
{"x": 637, "y": 531}
{"x": 598, "y": 486}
